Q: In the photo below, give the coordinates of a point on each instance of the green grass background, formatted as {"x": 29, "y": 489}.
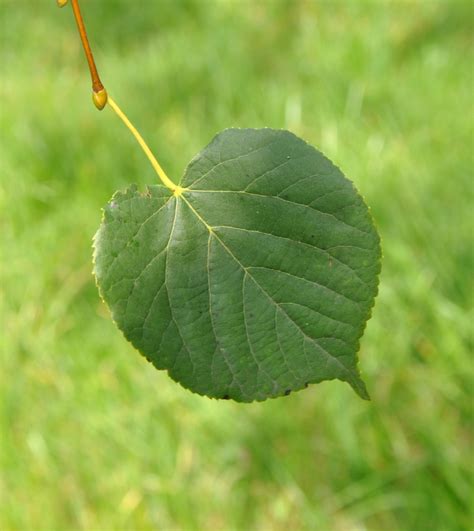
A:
{"x": 92, "y": 436}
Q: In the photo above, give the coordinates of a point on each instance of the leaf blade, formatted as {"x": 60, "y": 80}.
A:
{"x": 274, "y": 266}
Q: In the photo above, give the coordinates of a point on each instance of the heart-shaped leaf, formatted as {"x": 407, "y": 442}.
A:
{"x": 254, "y": 279}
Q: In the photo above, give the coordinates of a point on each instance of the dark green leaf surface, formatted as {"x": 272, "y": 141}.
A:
{"x": 256, "y": 281}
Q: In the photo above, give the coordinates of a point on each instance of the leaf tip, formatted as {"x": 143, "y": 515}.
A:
{"x": 359, "y": 387}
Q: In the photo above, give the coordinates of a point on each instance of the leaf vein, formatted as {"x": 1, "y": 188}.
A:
{"x": 233, "y": 159}
{"x": 354, "y": 271}
{"x": 310, "y": 282}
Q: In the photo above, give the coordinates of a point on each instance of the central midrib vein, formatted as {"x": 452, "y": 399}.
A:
{"x": 210, "y": 229}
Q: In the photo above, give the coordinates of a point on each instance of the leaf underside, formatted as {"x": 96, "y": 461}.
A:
{"x": 256, "y": 281}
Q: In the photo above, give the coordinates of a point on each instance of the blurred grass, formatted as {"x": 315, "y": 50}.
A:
{"x": 92, "y": 437}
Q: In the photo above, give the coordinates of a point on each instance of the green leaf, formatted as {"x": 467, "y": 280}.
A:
{"x": 256, "y": 280}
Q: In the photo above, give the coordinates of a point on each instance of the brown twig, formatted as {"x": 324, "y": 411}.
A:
{"x": 99, "y": 92}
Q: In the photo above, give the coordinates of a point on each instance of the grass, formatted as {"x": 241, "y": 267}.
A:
{"x": 92, "y": 437}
